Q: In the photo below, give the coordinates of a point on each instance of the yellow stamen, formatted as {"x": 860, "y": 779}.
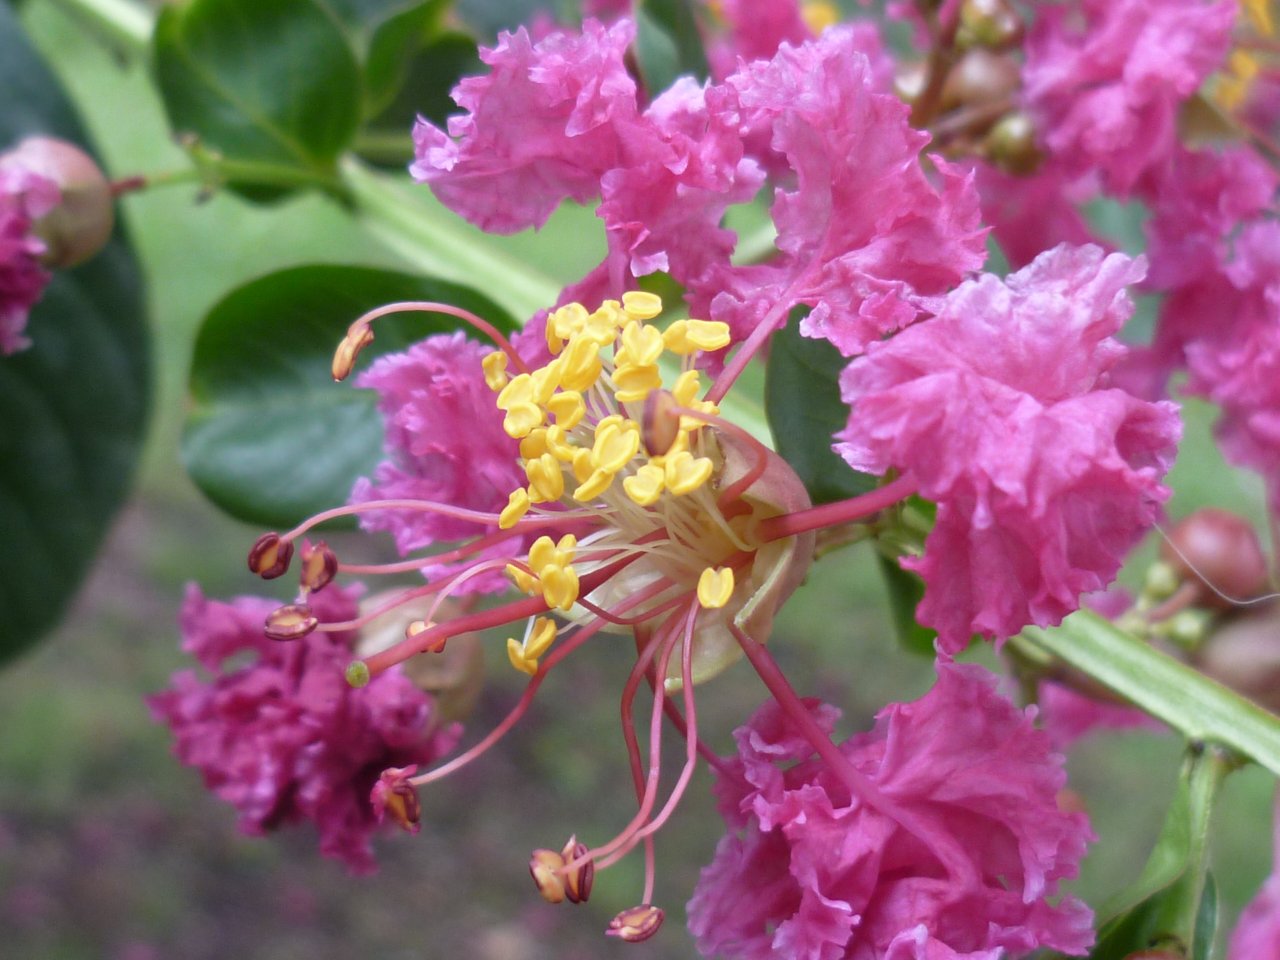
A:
{"x": 641, "y": 346}
{"x": 534, "y": 445}
{"x": 615, "y": 445}
{"x": 685, "y": 473}
{"x": 641, "y": 305}
{"x": 546, "y": 481}
{"x": 646, "y": 485}
{"x": 540, "y": 638}
{"x": 582, "y": 364}
{"x": 715, "y": 587}
{"x": 568, "y": 408}
{"x": 515, "y": 653}
{"x": 495, "y": 370}
{"x": 523, "y": 581}
{"x": 517, "y": 506}
{"x": 595, "y": 484}
{"x": 686, "y": 336}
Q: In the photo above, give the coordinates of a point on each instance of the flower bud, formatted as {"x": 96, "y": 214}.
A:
{"x": 395, "y": 796}
{"x": 578, "y": 881}
{"x": 981, "y": 77}
{"x": 80, "y": 225}
{"x": 1244, "y": 654}
{"x": 636, "y": 924}
{"x": 1011, "y": 145}
{"x": 359, "y": 335}
{"x": 988, "y": 23}
{"x": 290, "y": 622}
{"x": 269, "y": 556}
{"x": 1219, "y": 549}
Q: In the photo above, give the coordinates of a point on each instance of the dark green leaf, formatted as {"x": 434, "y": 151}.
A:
{"x": 73, "y": 405}
{"x": 271, "y": 438}
{"x": 668, "y": 44}
{"x": 423, "y": 88}
{"x": 271, "y": 85}
{"x": 393, "y": 44}
{"x": 803, "y": 405}
{"x": 906, "y": 590}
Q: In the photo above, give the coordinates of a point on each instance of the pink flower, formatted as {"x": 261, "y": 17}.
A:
{"x": 445, "y": 444}
{"x": 1000, "y": 408}
{"x": 1257, "y": 933}
{"x": 864, "y": 234}
{"x": 958, "y": 858}
{"x": 1104, "y": 78}
{"x": 284, "y": 737}
{"x": 1031, "y": 214}
{"x": 25, "y": 196}
{"x": 543, "y": 126}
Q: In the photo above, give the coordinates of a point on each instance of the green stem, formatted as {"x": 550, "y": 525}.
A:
{"x": 385, "y": 146}
{"x": 440, "y": 243}
{"x": 1201, "y": 709}
{"x": 126, "y": 25}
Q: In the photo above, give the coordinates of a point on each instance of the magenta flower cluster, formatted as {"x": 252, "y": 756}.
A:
{"x": 277, "y": 731}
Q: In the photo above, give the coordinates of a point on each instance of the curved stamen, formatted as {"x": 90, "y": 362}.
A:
{"x": 842, "y": 511}
{"x": 414, "y": 506}
{"x": 430, "y": 306}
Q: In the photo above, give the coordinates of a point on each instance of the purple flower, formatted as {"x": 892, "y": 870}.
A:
{"x": 811, "y": 872}
{"x": 25, "y": 196}
{"x": 284, "y": 737}
{"x": 864, "y": 234}
{"x": 1000, "y": 408}
{"x": 445, "y": 444}
{"x": 1104, "y": 78}
{"x": 1257, "y": 933}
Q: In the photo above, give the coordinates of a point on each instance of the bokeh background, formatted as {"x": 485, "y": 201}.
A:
{"x": 108, "y": 848}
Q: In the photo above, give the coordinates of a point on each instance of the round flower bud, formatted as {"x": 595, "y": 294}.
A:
{"x": 1220, "y": 550}
{"x": 981, "y": 77}
{"x": 1244, "y": 654}
{"x": 80, "y": 225}
{"x": 1011, "y": 145}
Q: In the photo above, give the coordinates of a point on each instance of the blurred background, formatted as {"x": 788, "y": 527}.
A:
{"x": 109, "y": 848}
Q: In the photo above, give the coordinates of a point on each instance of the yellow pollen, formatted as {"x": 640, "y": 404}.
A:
{"x": 715, "y": 587}
{"x": 1259, "y": 13}
{"x": 686, "y": 473}
{"x": 641, "y": 346}
{"x": 646, "y": 485}
{"x": 545, "y": 381}
{"x": 540, "y": 638}
{"x": 517, "y": 506}
{"x": 582, "y": 468}
{"x": 636, "y": 382}
{"x": 563, "y": 324}
{"x": 523, "y": 581}
{"x": 593, "y": 486}
{"x": 582, "y": 364}
{"x": 521, "y": 420}
{"x": 559, "y": 587}
{"x": 640, "y": 305}
{"x": 687, "y": 336}
{"x": 568, "y": 408}
{"x": 495, "y": 370}
{"x": 515, "y": 653}
{"x": 615, "y": 445}
{"x": 546, "y": 481}
{"x": 534, "y": 445}
{"x": 559, "y": 445}
{"x": 818, "y": 15}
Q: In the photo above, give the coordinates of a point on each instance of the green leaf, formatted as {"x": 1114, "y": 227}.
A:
{"x": 1202, "y": 709}
{"x": 271, "y": 438}
{"x": 74, "y": 405}
{"x": 803, "y": 405}
{"x": 422, "y": 88}
{"x": 410, "y": 57}
{"x": 906, "y": 590}
{"x": 668, "y": 44}
{"x": 271, "y": 85}
{"x": 1174, "y": 901}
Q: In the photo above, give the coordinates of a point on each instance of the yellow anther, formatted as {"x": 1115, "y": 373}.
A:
{"x": 635, "y": 383}
{"x": 547, "y": 553}
{"x": 517, "y": 506}
{"x": 517, "y": 391}
{"x": 495, "y": 370}
{"x": 595, "y": 484}
{"x": 685, "y": 473}
{"x": 535, "y": 444}
{"x": 582, "y": 467}
{"x": 540, "y": 638}
{"x": 560, "y": 587}
{"x": 818, "y": 15}
{"x": 546, "y": 481}
{"x": 545, "y": 381}
{"x": 645, "y": 486}
{"x": 641, "y": 346}
{"x": 559, "y": 445}
{"x": 359, "y": 335}
{"x": 686, "y": 387}
{"x": 522, "y": 579}
{"x": 521, "y": 420}
{"x": 641, "y": 305}
{"x": 602, "y": 326}
{"x": 615, "y": 445}
{"x": 686, "y": 336}
{"x": 568, "y": 408}
{"x": 582, "y": 365}
{"x": 563, "y": 324}
{"x": 715, "y": 587}
{"x": 1259, "y": 13}
{"x": 515, "y": 653}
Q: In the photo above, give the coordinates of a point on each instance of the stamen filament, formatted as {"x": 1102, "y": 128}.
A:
{"x": 842, "y": 511}
{"x": 430, "y": 306}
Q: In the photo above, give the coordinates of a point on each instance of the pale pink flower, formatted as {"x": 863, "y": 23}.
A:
{"x": 282, "y": 736}
{"x": 864, "y": 234}
{"x": 1104, "y": 78}
{"x": 25, "y": 196}
{"x": 1000, "y": 408}
{"x": 809, "y": 872}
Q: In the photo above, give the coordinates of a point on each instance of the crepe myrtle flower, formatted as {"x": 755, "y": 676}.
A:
{"x": 630, "y": 506}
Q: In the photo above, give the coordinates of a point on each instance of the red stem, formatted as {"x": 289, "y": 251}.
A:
{"x": 834, "y": 514}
